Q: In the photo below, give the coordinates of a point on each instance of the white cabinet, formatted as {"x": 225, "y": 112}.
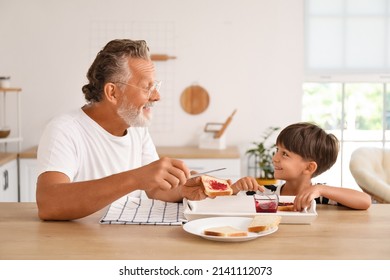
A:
{"x": 9, "y": 190}
{"x": 28, "y": 174}
{"x": 28, "y": 179}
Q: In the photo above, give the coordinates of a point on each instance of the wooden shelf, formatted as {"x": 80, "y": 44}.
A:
{"x": 10, "y": 89}
{"x": 10, "y": 139}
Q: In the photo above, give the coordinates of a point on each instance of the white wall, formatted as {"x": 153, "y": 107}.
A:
{"x": 248, "y": 54}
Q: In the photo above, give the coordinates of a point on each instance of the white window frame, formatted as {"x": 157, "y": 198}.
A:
{"x": 345, "y": 76}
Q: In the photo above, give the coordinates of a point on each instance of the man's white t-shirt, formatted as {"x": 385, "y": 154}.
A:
{"x": 77, "y": 146}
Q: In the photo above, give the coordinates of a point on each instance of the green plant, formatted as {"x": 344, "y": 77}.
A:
{"x": 263, "y": 154}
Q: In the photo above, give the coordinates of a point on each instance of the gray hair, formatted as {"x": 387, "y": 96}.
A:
{"x": 111, "y": 65}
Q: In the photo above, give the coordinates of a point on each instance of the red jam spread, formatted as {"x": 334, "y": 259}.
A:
{"x": 215, "y": 185}
{"x": 286, "y": 203}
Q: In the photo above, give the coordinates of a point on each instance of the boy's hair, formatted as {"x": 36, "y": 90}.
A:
{"x": 312, "y": 143}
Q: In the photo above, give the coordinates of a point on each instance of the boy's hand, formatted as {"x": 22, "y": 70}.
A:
{"x": 247, "y": 184}
{"x": 304, "y": 198}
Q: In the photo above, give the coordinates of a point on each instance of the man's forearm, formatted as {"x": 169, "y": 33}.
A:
{"x": 67, "y": 201}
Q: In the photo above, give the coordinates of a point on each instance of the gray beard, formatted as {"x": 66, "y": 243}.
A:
{"x": 132, "y": 116}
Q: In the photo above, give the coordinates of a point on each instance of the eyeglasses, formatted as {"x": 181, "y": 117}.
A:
{"x": 155, "y": 87}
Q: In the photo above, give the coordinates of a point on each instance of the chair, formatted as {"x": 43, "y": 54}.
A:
{"x": 370, "y": 168}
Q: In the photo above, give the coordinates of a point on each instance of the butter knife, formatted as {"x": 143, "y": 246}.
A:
{"x": 206, "y": 172}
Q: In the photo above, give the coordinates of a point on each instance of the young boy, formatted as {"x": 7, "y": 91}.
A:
{"x": 304, "y": 151}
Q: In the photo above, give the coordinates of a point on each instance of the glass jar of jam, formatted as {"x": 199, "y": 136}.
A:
{"x": 266, "y": 203}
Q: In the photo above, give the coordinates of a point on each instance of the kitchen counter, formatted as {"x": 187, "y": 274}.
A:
{"x": 337, "y": 233}
{"x": 196, "y": 159}
{"x": 7, "y": 157}
{"x": 192, "y": 152}
{"x": 29, "y": 153}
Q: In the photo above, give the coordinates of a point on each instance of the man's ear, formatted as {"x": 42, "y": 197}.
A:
{"x": 111, "y": 92}
{"x": 311, "y": 167}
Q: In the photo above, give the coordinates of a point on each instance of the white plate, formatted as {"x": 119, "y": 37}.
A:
{"x": 243, "y": 206}
{"x": 197, "y": 227}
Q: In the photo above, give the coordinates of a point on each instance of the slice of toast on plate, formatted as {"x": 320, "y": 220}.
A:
{"x": 225, "y": 231}
{"x": 263, "y": 223}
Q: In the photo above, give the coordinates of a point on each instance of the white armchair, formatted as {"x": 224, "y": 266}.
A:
{"x": 370, "y": 168}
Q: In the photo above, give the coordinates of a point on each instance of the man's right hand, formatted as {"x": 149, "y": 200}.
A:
{"x": 165, "y": 173}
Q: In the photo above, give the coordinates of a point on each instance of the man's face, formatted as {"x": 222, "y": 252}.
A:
{"x": 136, "y": 102}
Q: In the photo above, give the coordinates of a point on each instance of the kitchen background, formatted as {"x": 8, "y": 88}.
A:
{"x": 248, "y": 55}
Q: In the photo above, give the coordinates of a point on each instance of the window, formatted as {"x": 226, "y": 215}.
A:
{"x": 357, "y": 113}
{"x": 347, "y": 66}
{"x": 347, "y": 36}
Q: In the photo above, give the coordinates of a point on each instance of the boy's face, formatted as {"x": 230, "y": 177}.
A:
{"x": 288, "y": 165}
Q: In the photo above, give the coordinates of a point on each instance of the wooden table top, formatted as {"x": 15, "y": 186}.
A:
{"x": 337, "y": 233}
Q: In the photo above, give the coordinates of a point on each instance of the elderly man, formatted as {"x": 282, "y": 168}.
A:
{"x": 98, "y": 153}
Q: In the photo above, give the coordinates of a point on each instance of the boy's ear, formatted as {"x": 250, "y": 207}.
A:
{"x": 311, "y": 167}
